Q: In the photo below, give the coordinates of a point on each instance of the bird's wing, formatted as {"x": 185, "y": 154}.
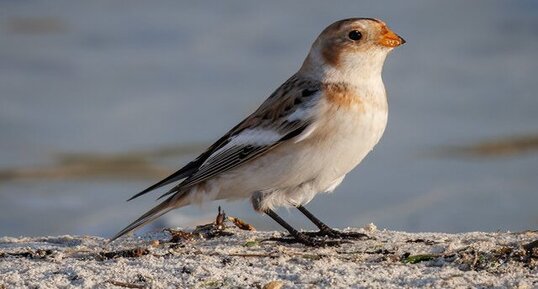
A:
{"x": 189, "y": 168}
{"x": 287, "y": 115}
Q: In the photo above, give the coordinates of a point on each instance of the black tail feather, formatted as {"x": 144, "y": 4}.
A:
{"x": 164, "y": 207}
{"x": 181, "y": 174}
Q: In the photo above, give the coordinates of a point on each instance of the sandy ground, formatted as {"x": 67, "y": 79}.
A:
{"x": 234, "y": 258}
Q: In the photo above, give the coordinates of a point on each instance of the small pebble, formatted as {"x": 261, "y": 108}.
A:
{"x": 370, "y": 227}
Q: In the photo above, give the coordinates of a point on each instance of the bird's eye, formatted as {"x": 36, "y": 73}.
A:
{"x": 355, "y": 35}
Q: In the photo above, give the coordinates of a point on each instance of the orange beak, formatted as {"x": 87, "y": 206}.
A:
{"x": 390, "y": 39}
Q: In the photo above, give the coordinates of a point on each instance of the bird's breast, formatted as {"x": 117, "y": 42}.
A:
{"x": 343, "y": 136}
{"x": 347, "y": 133}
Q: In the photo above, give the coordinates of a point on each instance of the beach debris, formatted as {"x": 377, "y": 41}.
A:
{"x": 140, "y": 281}
{"x": 128, "y": 253}
{"x": 427, "y": 242}
{"x": 241, "y": 224}
{"x": 206, "y": 231}
{"x": 31, "y": 254}
{"x": 215, "y": 229}
{"x": 414, "y": 259}
{"x": 219, "y": 220}
{"x": 476, "y": 260}
{"x": 210, "y": 234}
{"x": 179, "y": 235}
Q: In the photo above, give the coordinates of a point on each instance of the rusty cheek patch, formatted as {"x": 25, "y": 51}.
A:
{"x": 331, "y": 54}
{"x": 340, "y": 95}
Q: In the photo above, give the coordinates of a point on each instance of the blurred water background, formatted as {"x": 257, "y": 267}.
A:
{"x": 100, "y": 99}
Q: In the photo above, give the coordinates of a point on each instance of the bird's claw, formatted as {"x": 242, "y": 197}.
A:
{"x": 309, "y": 241}
{"x": 331, "y": 233}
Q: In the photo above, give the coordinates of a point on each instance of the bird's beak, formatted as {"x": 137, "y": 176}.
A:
{"x": 390, "y": 39}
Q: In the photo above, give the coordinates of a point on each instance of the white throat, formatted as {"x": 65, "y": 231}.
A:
{"x": 357, "y": 69}
{"x": 362, "y": 71}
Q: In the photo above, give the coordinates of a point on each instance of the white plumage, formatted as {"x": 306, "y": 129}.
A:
{"x": 305, "y": 137}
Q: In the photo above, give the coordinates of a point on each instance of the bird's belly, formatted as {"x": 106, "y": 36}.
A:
{"x": 333, "y": 149}
{"x": 350, "y": 139}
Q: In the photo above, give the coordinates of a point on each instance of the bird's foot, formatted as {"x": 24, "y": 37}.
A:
{"x": 334, "y": 234}
{"x": 313, "y": 242}
{"x": 308, "y": 241}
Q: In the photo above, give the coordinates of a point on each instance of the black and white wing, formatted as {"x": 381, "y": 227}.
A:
{"x": 287, "y": 115}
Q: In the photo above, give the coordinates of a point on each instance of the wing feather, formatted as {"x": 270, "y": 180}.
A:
{"x": 285, "y": 115}
{"x": 231, "y": 159}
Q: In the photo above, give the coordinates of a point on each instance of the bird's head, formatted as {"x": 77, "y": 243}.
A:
{"x": 355, "y": 47}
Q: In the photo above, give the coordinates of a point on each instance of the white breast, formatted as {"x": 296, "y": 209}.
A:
{"x": 294, "y": 172}
{"x": 351, "y": 134}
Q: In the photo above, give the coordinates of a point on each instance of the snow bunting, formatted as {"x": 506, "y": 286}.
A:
{"x": 304, "y": 139}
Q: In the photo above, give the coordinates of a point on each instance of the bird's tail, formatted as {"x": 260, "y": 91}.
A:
{"x": 175, "y": 201}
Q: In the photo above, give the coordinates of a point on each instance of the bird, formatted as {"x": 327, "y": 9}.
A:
{"x": 302, "y": 140}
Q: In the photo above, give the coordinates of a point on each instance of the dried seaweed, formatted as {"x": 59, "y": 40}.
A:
{"x": 241, "y": 224}
{"x": 179, "y": 236}
{"x": 128, "y": 253}
{"x": 427, "y": 242}
{"x": 31, "y": 254}
{"x": 414, "y": 259}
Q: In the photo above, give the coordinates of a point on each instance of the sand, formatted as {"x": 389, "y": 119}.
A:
{"x": 234, "y": 258}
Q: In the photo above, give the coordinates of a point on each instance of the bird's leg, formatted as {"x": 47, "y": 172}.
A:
{"x": 298, "y": 236}
{"x": 322, "y": 226}
{"x": 325, "y": 230}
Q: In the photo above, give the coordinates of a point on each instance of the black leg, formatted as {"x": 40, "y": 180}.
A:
{"x": 322, "y": 226}
{"x": 298, "y": 236}
{"x": 325, "y": 230}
